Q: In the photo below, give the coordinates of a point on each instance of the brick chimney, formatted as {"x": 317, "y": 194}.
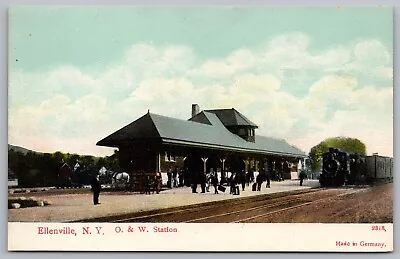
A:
{"x": 195, "y": 109}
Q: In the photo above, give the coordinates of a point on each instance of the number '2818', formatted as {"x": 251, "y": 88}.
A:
{"x": 378, "y": 228}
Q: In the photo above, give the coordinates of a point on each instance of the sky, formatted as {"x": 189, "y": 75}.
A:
{"x": 77, "y": 74}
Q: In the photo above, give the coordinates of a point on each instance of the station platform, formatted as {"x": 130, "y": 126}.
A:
{"x": 79, "y": 206}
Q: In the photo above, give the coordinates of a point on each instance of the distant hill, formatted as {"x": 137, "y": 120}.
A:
{"x": 25, "y": 151}
{"x": 20, "y": 149}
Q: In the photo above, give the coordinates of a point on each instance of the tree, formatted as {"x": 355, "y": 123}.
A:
{"x": 58, "y": 157}
{"x": 41, "y": 169}
{"x": 109, "y": 162}
{"x": 72, "y": 159}
{"x": 351, "y": 145}
{"x": 87, "y": 160}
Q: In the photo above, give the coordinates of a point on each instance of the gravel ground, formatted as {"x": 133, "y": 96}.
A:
{"x": 371, "y": 205}
{"x": 74, "y": 205}
{"x": 233, "y": 210}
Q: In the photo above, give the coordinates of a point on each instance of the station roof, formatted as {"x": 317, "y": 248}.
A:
{"x": 231, "y": 117}
{"x": 205, "y": 130}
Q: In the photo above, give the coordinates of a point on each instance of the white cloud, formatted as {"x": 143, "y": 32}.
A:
{"x": 218, "y": 68}
{"x": 372, "y": 51}
{"x": 147, "y": 60}
{"x": 27, "y": 88}
{"x": 329, "y": 89}
{"x": 332, "y": 59}
{"x": 295, "y": 41}
{"x": 287, "y": 51}
{"x": 368, "y": 118}
{"x": 261, "y": 84}
{"x": 68, "y": 109}
{"x": 384, "y": 72}
{"x": 370, "y": 58}
{"x": 55, "y": 103}
{"x": 291, "y": 51}
{"x": 163, "y": 89}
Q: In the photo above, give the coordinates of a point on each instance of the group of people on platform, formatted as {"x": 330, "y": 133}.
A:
{"x": 234, "y": 181}
{"x": 153, "y": 183}
{"x": 175, "y": 177}
{"x": 205, "y": 180}
{"x": 180, "y": 178}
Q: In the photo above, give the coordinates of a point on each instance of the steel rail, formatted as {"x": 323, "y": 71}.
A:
{"x": 209, "y": 206}
{"x": 294, "y": 207}
{"x": 276, "y": 204}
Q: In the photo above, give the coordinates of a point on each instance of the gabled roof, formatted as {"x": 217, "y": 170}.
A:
{"x": 209, "y": 132}
{"x": 201, "y": 118}
{"x": 231, "y": 117}
{"x": 276, "y": 145}
{"x": 65, "y": 165}
{"x": 139, "y": 129}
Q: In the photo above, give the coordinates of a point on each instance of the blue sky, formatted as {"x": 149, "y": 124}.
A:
{"x": 76, "y": 74}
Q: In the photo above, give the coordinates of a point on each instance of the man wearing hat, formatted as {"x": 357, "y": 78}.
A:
{"x": 96, "y": 188}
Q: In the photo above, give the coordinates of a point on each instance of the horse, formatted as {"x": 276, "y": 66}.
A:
{"x": 120, "y": 180}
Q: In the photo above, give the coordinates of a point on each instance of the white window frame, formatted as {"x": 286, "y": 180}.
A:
{"x": 170, "y": 157}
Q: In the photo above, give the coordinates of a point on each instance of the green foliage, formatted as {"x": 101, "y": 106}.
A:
{"x": 41, "y": 169}
{"x": 351, "y": 145}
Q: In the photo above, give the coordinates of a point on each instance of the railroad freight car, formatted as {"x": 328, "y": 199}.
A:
{"x": 379, "y": 168}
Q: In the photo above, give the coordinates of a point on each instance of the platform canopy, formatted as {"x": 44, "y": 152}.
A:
{"x": 205, "y": 130}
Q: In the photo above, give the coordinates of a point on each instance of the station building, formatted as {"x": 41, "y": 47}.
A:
{"x": 221, "y": 140}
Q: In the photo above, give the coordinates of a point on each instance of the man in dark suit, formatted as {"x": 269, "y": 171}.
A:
{"x": 96, "y": 188}
{"x": 195, "y": 179}
{"x": 214, "y": 182}
{"x": 260, "y": 179}
{"x": 203, "y": 180}
{"x": 302, "y": 176}
{"x": 147, "y": 184}
{"x": 242, "y": 179}
{"x": 268, "y": 178}
{"x": 157, "y": 183}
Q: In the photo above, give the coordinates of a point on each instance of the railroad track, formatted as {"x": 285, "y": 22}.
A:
{"x": 256, "y": 203}
{"x": 305, "y": 203}
{"x": 271, "y": 205}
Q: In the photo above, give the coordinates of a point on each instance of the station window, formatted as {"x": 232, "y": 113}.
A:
{"x": 170, "y": 157}
{"x": 251, "y": 132}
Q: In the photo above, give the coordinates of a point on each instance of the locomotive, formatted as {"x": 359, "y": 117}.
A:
{"x": 341, "y": 167}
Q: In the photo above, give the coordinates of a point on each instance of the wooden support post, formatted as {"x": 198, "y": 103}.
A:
{"x": 205, "y": 162}
{"x": 159, "y": 162}
{"x": 223, "y": 164}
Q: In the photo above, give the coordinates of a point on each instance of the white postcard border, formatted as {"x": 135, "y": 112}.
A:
{"x": 256, "y": 237}
{"x": 3, "y": 154}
